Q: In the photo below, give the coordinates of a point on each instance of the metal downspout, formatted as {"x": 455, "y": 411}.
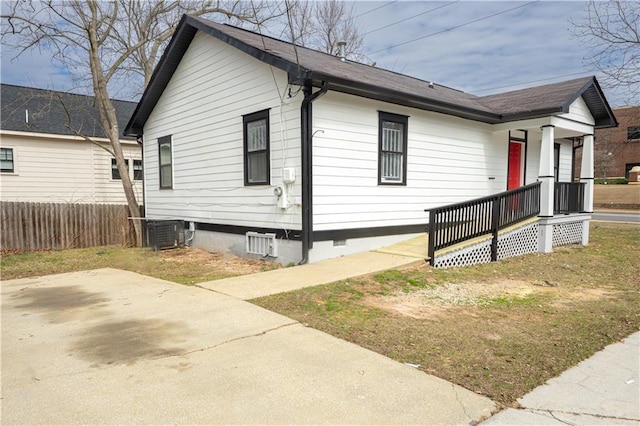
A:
{"x": 306, "y": 126}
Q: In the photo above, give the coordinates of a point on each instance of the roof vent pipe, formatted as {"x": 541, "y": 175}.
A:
{"x": 341, "y": 50}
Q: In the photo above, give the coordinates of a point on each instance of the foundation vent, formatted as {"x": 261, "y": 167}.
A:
{"x": 262, "y": 244}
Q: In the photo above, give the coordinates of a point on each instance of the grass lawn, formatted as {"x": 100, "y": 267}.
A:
{"x": 500, "y": 329}
{"x": 184, "y": 266}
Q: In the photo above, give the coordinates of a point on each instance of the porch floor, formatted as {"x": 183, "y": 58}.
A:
{"x": 414, "y": 247}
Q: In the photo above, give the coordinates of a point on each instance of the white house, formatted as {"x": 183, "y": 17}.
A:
{"x": 43, "y": 160}
{"x": 248, "y": 138}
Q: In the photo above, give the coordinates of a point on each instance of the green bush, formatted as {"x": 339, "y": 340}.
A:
{"x": 611, "y": 181}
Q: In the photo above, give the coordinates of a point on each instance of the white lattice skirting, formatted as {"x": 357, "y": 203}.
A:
{"x": 567, "y": 233}
{"x": 511, "y": 243}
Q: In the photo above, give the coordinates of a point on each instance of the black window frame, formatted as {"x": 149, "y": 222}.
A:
{"x": 165, "y": 140}
{"x": 13, "y": 160}
{"x": 404, "y": 121}
{"x": 633, "y": 133}
{"x": 115, "y": 173}
{"x": 138, "y": 174}
{"x": 246, "y": 120}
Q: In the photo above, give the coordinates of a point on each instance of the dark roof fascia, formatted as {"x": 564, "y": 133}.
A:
{"x": 370, "y": 91}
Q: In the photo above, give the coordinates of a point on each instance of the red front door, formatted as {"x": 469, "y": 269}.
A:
{"x": 514, "y": 178}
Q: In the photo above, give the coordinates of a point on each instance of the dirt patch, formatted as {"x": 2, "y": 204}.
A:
{"x": 430, "y": 303}
{"x": 229, "y": 264}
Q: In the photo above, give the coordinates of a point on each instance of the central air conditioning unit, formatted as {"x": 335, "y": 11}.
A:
{"x": 164, "y": 234}
{"x": 262, "y": 244}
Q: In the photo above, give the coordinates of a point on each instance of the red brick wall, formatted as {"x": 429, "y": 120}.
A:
{"x": 613, "y": 151}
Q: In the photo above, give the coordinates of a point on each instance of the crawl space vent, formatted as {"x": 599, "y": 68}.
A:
{"x": 262, "y": 244}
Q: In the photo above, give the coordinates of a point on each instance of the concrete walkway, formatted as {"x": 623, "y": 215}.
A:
{"x": 287, "y": 279}
{"x": 602, "y": 390}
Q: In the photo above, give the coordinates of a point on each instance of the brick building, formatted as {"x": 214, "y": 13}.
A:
{"x": 617, "y": 149}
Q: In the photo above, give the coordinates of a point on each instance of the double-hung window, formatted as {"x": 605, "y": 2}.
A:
{"x": 115, "y": 173}
{"x": 392, "y": 158}
{"x": 6, "y": 160}
{"x": 165, "y": 162}
{"x": 256, "y": 148}
{"x": 137, "y": 170}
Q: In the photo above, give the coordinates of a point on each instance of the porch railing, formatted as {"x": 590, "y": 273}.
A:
{"x": 455, "y": 223}
{"x": 568, "y": 197}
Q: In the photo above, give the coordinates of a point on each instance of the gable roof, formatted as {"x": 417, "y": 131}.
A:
{"x": 28, "y": 109}
{"x": 553, "y": 98}
{"x": 308, "y": 65}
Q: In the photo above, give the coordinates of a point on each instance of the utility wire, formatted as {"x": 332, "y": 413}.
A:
{"x": 411, "y": 17}
{"x": 453, "y": 28}
{"x": 375, "y": 8}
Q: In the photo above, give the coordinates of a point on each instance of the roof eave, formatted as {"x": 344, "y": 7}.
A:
{"x": 370, "y": 91}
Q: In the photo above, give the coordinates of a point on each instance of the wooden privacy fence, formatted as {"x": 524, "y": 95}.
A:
{"x": 45, "y": 226}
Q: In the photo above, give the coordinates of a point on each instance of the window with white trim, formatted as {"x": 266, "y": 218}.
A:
{"x": 256, "y": 148}
{"x": 392, "y": 151}
{"x": 165, "y": 160}
{"x": 6, "y": 160}
{"x": 115, "y": 173}
{"x": 137, "y": 170}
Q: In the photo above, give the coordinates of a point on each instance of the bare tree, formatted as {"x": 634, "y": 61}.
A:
{"x": 612, "y": 33}
{"x": 106, "y": 42}
{"x": 321, "y": 25}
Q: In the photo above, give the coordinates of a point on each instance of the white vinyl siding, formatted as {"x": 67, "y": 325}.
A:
{"x": 59, "y": 170}
{"x": 578, "y": 111}
{"x": 202, "y": 107}
{"x": 448, "y": 160}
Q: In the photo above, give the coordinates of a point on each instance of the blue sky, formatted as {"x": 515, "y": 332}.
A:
{"x": 509, "y": 46}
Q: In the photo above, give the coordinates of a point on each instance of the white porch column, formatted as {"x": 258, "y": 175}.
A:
{"x": 586, "y": 177}
{"x": 545, "y": 175}
{"x": 586, "y": 172}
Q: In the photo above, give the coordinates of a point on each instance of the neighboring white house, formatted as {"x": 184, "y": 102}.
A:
{"x": 245, "y": 136}
{"x": 41, "y": 158}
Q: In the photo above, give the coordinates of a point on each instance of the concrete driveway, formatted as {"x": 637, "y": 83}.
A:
{"x": 114, "y": 347}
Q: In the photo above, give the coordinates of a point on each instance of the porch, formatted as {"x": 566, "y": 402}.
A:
{"x": 497, "y": 227}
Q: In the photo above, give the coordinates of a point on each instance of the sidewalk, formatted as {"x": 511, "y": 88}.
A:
{"x": 247, "y": 287}
{"x": 602, "y": 390}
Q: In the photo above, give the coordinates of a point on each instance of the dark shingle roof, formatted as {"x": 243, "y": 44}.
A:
{"x": 46, "y": 113}
{"x": 307, "y": 65}
{"x": 551, "y": 98}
